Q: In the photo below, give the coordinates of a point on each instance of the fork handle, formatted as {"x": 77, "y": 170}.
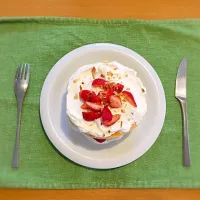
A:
{"x": 15, "y": 159}
{"x": 186, "y": 149}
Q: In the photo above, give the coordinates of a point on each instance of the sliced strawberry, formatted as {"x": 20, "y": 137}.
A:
{"x": 95, "y": 99}
{"x": 99, "y": 82}
{"x": 101, "y": 94}
{"x": 93, "y": 106}
{"x": 108, "y": 85}
{"x": 115, "y": 102}
{"x": 84, "y": 95}
{"x": 106, "y": 114}
{"x": 104, "y": 96}
{"x": 91, "y": 116}
{"x": 90, "y": 96}
{"x": 109, "y": 92}
{"x": 115, "y": 118}
{"x": 129, "y": 97}
{"x": 100, "y": 140}
{"x": 118, "y": 87}
{"x": 84, "y": 106}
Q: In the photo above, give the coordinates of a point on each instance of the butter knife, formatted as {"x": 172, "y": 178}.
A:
{"x": 180, "y": 93}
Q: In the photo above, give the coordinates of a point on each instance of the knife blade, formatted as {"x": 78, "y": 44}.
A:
{"x": 180, "y": 93}
{"x": 181, "y": 82}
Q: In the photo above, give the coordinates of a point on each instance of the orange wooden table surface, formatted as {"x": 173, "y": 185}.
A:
{"x": 152, "y": 9}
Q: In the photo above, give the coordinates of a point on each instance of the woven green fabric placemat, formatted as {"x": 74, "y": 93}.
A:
{"x": 42, "y": 42}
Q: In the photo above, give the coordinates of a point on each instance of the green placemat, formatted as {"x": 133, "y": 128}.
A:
{"x": 42, "y": 42}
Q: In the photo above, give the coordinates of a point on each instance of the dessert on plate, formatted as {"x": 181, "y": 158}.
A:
{"x": 105, "y": 101}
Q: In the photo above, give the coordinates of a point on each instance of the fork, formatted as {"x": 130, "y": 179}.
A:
{"x": 20, "y": 87}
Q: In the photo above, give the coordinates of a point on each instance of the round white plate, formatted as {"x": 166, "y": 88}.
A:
{"x": 77, "y": 147}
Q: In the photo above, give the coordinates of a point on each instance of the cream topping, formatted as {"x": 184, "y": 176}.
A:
{"x": 120, "y": 74}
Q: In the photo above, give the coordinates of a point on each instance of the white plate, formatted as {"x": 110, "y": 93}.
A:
{"x": 75, "y": 146}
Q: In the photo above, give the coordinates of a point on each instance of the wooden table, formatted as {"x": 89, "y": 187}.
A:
{"x": 152, "y": 9}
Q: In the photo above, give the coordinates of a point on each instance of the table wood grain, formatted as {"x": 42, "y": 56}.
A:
{"x": 152, "y": 9}
{"x": 142, "y": 9}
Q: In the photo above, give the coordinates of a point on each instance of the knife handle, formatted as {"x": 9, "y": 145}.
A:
{"x": 186, "y": 148}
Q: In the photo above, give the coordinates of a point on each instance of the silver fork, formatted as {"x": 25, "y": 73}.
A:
{"x": 20, "y": 86}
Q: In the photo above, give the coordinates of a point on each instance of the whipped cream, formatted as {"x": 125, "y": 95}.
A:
{"x": 121, "y": 74}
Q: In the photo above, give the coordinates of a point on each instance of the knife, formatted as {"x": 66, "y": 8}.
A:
{"x": 181, "y": 95}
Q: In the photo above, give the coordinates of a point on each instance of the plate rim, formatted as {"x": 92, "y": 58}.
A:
{"x": 44, "y": 110}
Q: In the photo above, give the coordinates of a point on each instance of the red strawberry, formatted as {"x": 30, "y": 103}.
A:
{"x": 98, "y": 82}
{"x": 106, "y": 114}
{"x": 102, "y": 96}
{"x": 84, "y": 95}
{"x": 93, "y": 106}
{"x": 118, "y": 87}
{"x": 108, "y": 85}
{"x": 115, "y": 102}
{"x": 109, "y": 92}
{"x": 95, "y": 99}
{"x": 90, "y": 96}
{"x": 84, "y": 106}
{"x": 129, "y": 97}
{"x": 100, "y": 140}
{"x": 115, "y": 118}
{"x": 91, "y": 116}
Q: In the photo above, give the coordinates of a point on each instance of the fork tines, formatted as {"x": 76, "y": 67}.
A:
{"x": 23, "y": 71}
